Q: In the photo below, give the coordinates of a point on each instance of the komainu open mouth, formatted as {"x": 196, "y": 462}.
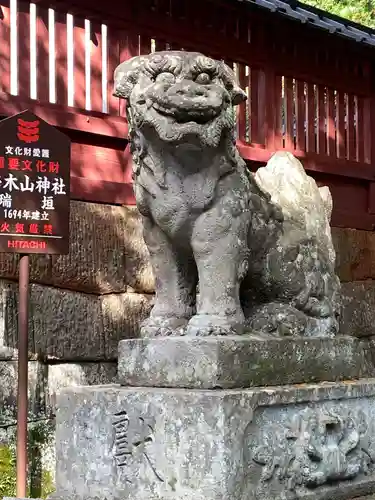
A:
{"x": 198, "y": 116}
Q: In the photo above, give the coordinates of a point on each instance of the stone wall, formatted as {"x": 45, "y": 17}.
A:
{"x": 355, "y": 251}
{"x": 82, "y": 304}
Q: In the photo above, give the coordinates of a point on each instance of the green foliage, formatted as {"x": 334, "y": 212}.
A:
{"x": 7, "y": 472}
{"x": 359, "y": 11}
{"x": 40, "y": 481}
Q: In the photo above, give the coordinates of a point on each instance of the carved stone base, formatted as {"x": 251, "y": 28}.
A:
{"x": 240, "y": 361}
{"x": 311, "y": 442}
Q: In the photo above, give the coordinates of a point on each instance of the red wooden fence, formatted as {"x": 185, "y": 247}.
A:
{"x": 310, "y": 94}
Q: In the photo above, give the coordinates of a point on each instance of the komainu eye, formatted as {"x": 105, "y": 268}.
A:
{"x": 165, "y": 77}
{"x": 203, "y": 79}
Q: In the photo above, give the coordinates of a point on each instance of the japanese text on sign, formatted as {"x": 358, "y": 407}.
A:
{"x": 34, "y": 185}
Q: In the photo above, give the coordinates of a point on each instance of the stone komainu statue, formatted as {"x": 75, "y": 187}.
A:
{"x": 258, "y": 246}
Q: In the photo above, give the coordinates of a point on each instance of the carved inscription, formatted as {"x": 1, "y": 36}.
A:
{"x": 317, "y": 447}
{"x": 132, "y": 438}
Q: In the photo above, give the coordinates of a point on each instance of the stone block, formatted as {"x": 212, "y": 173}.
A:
{"x": 45, "y": 381}
{"x": 235, "y": 362}
{"x": 70, "y": 325}
{"x": 139, "y": 274}
{"x": 311, "y": 442}
{"x": 122, "y": 316}
{"x": 358, "y": 309}
{"x": 18, "y": 498}
{"x": 9, "y": 319}
{"x": 65, "y": 375}
{"x": 95, "y": 262}
{"x": 354, "y": 254}
{"x": 66, "y": 324}
{"x": 107, "y": 253}
{"x": 8, "y": 391}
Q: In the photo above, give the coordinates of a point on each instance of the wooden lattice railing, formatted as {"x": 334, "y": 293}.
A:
{"x": 312, "y": 102}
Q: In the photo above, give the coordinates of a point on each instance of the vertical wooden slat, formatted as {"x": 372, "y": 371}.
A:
{"x": 311, "y": 116}
{"x": 341, "y": 149}
{"x": 331, "y": 123}
{"x": 368, "y": 121}
{"x": 300, "y": 115}
{"x": 96, "y": 67}
{"x": 4, "y": 48}
{"x": 350, "y": 128}
{"x": 321, "y": 110}
{"x": 241, "y": 111}
{"x": 42, "y": 55}
{"x": 289, "y": 118}
{"x": 23, "y": 23}
{"x": 129, "y": 47}
{"x": 256, "y": 107}
{"x": 145, "y": 45}
{"x": 277, "y": 122}
{"x": 160, "y": 45}
{"x": 79, "y": 63}
{"x": 273, "y": 124}
{"x": 360, "y": 130}
{"x": 371, "y": 198}
{"x": 113, "y": 60}
{"x": 61, "y": 64}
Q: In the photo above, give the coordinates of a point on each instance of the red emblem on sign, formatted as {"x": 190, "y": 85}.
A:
{"x": 28, "y": 131}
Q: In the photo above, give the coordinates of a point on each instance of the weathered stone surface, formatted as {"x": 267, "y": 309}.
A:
{"x": 45, "y": 381}
{"x": 208, "y": 219}
{"x": 71, "y": 375}
{"x": 301, "y": 442}
{"x": 107, "y": 253}
{"x": 236, "y": 362}
{"x": 8, "y": 391}
{"x": 122, "y": 316}
{"x": 66, "y": 324}
{"x": 9, "y": 318}
{"x": 18, "y": 498}
{"x": 138, "y": 271}
{"x": 355, "y": 254}
{"x": 306, "y": 207}
{"x": 358, "y": 309}
{"x": 69, "y": 325}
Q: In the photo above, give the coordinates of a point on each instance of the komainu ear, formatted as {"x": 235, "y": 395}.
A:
{"x": 238, "y": 95}
{"x": 125, "y": 77}
{"x": 230, "y": 82}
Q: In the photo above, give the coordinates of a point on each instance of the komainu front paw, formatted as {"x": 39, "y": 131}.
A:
{"x": 161, "y": 326}
{"x": 205, "y": 325}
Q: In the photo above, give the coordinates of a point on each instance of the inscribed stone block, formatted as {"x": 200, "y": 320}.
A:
{"x": 312, "y": 442}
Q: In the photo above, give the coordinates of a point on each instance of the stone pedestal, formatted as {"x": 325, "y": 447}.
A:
{"x": 185, "y": 439}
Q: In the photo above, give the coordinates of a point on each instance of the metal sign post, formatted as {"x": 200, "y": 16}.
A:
{"x": 34, "y": 218}
{"x": 22, "y": 393}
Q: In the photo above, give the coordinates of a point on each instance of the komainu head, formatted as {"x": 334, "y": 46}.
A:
{"x": 179, "y": 96}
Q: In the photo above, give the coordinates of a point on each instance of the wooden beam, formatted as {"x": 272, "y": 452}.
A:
{"x": 66, "y": 117}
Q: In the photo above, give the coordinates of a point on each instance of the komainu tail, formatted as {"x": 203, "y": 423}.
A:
{"x": 299, "y": 290}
